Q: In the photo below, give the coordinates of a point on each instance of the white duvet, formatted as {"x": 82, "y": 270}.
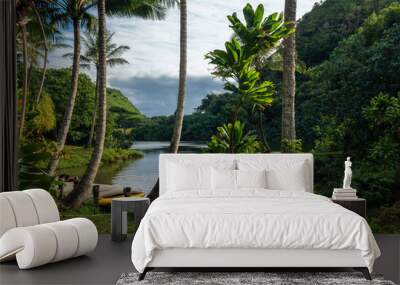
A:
{"x": 253, "y": 218}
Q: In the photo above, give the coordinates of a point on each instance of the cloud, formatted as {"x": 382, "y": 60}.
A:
{"x": 158, "y": 95}
{"x": 155, "y": 44}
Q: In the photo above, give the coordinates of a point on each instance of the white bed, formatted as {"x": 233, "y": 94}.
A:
{"x": 281, "y": 224}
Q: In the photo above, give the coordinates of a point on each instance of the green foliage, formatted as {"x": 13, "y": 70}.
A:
{"x": 259, "y": 34}
{"x": 292, "y": 146}
{"x": 237, "y": 62}
{"x": 122, "y": 115}
{"x": 383, "y": 117}
{"x": 229, "y": 62}
{"x": 75, "y": 156}
{"x": 387, "y": 221}
{"x": 320, "y": 30}
{"x": 42, "y": 119}
{"x": 31, "y": 175}
{"x": 232, "y": 138}
{"x": 357, "y": 70}
{"x": 329, "y": 135}
{"x": 156, "y": 128}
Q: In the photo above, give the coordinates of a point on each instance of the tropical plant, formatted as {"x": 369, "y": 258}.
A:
{"x": 231, "y": 64}
{"x": 232, "y": 138}
{"x": 90, "y": 59}
{"x": 261, "y": 37}
{"x": 236, "y": 65}
{"x": 289, "y": 76}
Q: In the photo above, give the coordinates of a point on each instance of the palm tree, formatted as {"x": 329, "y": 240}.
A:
{"x": 176, "y": 136}
{"x": 45, "y": 46}
{"x": 23, "y": 18}
{"x": 90, "y": 59}
{"x": 79, "y": 196}
{"x": 75, "y": 11}
{"x": 289, "y": 76}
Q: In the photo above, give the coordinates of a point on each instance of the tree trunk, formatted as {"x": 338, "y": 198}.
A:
{"x": 82, "y": 191}
{"x": 69, "y": 109}
{"x": 289, "y": 79}
{"x": 92, "y": 127}
{"x": 25, "y": 80}
{"x": 262, "y": 132}
{"x": 176, "y": 136}
{"x": 45, "y": 48}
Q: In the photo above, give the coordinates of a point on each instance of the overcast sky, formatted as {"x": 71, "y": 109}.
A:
{"x": 150, "y": 80}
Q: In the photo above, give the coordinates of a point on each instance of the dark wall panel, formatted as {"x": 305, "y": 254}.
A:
{"x": 8, "y": 100}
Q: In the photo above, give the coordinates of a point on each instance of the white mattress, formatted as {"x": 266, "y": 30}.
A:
{"x": 251, "y": 219}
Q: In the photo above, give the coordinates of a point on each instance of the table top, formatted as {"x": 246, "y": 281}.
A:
{"x": 348, "y": 199}
{"x": 130, "y": 199}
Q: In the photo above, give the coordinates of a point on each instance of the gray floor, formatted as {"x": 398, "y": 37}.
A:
{"x": 110, "y": 260}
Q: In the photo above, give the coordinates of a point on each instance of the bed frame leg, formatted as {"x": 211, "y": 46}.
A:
{"x": 364, "y": 271}
{"x": 143, "y": 274}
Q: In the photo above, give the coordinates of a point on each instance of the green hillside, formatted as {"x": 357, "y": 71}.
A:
{"x": 122, "y": 115}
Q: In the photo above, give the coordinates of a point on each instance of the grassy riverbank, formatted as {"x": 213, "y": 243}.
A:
{"x": 76, "y": 156}
{"x": 101, "y": 218}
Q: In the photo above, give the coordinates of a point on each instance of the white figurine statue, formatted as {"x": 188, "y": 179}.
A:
{"x": 347, "y": 174}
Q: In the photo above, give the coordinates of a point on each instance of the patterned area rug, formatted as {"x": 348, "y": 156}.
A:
{"x": 243, "y": 278}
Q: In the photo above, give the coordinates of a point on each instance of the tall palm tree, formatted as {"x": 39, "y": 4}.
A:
{"x": 79, "y": 196}
{"x": 176, "y": 136}
{"x": 90, "y": 59}
{"x": 289, "y": 76}
{"x": 77, "y": 11}
{"x": 23, "y": 18}
{"x": 44, "y": 43}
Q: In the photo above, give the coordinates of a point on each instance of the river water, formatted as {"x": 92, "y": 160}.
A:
{"x": 142, "y": 173}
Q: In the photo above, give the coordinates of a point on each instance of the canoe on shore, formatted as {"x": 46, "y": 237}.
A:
{"x": 106, "y": 201}
{"x": 105, "y": 190}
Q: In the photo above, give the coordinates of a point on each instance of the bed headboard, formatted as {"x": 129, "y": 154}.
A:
{"x": 271, "y": 160}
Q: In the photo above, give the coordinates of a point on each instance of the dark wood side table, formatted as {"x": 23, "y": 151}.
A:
{"x": 119, "y": 215}
{"x": 357, "y": 205}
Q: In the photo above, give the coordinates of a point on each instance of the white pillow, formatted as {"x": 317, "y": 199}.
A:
{"x": 224, "y": 179}
{"x": 292, "y": 178}
{"x": 183, "y": 177}
{"x": 282, "y": 174}
{"x": 251, "y": 178}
